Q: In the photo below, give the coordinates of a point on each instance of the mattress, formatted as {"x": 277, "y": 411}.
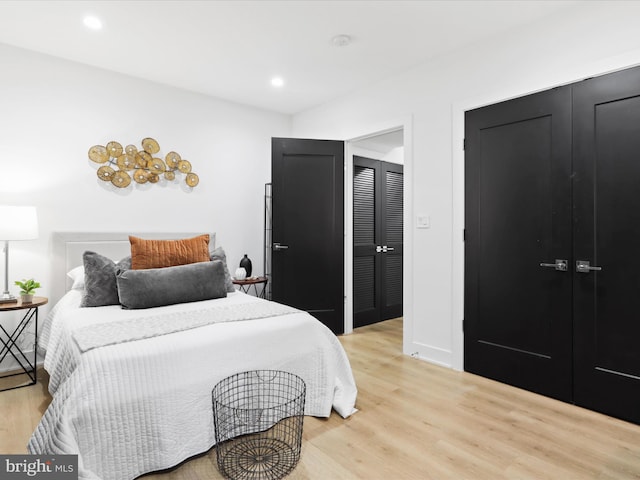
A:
{"x": 141, "y": 405}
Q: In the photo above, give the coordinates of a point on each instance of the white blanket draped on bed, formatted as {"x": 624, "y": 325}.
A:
{"x": 145, "y": 405}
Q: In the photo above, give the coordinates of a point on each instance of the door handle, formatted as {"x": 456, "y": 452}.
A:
{"x": 277, "y": 246}
{"x": 387, "y": 249}
{"x": 583, "y": 266}
{"x": 560, "y": 265}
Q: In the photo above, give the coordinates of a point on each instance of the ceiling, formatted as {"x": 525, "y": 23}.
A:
{"x": 232, "y": 49}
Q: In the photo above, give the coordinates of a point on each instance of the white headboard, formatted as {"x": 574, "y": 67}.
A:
{"x": 68, "y": 248}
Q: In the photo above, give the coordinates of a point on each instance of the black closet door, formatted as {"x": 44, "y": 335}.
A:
{"x": 606, "y": 134}
{"x": 367, "y": 203}
{"x": 378, "y": 242}
{"x": 392, "y": 241}
{"x": 517, "y": 327}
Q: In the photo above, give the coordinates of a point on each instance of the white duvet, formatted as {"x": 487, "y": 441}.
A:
{"x": 144, "y": 405}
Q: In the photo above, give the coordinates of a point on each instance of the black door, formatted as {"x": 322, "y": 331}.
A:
{"x": 308, "y": 227}
{"x": 606, "y": 133}
{"x": 378, "y": 242}
{"x": 518, "y": 216}
{"x": 568, "y": 334}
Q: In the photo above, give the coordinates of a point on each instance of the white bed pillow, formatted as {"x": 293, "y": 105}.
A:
{"x": 77, "y": 275}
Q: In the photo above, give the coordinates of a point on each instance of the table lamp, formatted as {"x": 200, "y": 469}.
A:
{"x": 16, "y": 223}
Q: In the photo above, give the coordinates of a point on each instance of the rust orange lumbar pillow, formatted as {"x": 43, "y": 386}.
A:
{"x": 168, "y": 253}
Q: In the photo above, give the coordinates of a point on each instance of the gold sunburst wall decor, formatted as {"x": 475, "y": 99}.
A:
{"x": 121, "y": 165}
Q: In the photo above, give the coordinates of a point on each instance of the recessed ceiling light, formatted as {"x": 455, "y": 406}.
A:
{"x": 277, "y": 81}
{"x": 92, "y": 22}
{"x": 341, "y": 40}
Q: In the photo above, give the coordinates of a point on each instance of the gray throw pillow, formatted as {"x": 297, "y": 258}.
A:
{"x": 100, "y": 286}
{"x": 155, "y": 287}
{"x": 218, "y": 254}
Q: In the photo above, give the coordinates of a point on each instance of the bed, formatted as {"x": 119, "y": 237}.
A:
{"x": 130, "y": 400}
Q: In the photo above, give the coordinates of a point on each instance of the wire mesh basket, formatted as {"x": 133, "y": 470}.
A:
{"x": 258, "y": 417}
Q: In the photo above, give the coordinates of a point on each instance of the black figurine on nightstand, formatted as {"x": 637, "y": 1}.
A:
{"x": 246, "y": 264}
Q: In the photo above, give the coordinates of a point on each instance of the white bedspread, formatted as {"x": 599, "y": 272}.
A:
{"x": 145, "y": 405}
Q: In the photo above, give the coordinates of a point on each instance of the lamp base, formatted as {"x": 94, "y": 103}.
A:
{"x": 8, "y": 298}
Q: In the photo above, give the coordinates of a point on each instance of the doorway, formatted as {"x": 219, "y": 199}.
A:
{"x": 377, "y": 240}
{"x": 387, "y": 144}
{"x": 552, "y": 221}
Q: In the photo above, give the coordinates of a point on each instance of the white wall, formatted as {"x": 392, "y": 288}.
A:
{"x": 395, "y": 156}
{"x": 589, "y": 39}
{"x": 53, "y": 111}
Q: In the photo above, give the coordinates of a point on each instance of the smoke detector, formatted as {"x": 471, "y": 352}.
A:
{"x": 341, "y": 40}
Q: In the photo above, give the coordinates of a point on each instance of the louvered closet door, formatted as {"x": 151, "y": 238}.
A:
{"x": 366, "y": 234}
{"x": 392, "y": 212}
{"x": 377, "y": 232}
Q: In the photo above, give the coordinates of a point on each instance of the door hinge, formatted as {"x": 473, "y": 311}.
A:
{"x": 463, "y": 325}
{"x": 464, "y": 144}
{"x": 464, "y": 234}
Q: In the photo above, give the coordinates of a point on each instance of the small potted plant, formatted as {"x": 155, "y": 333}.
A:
{"x": 27, "y": 289}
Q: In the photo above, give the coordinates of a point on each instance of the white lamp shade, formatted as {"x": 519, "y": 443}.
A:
{"x": 18, "y": 223}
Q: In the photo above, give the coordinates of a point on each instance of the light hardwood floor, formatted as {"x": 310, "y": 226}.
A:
{"x": 418, "y": 421}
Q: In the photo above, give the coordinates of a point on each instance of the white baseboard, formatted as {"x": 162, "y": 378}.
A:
{"x": 431, "y": 354}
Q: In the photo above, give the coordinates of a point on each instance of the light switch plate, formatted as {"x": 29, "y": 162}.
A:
{"x": 423, "y": 221}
